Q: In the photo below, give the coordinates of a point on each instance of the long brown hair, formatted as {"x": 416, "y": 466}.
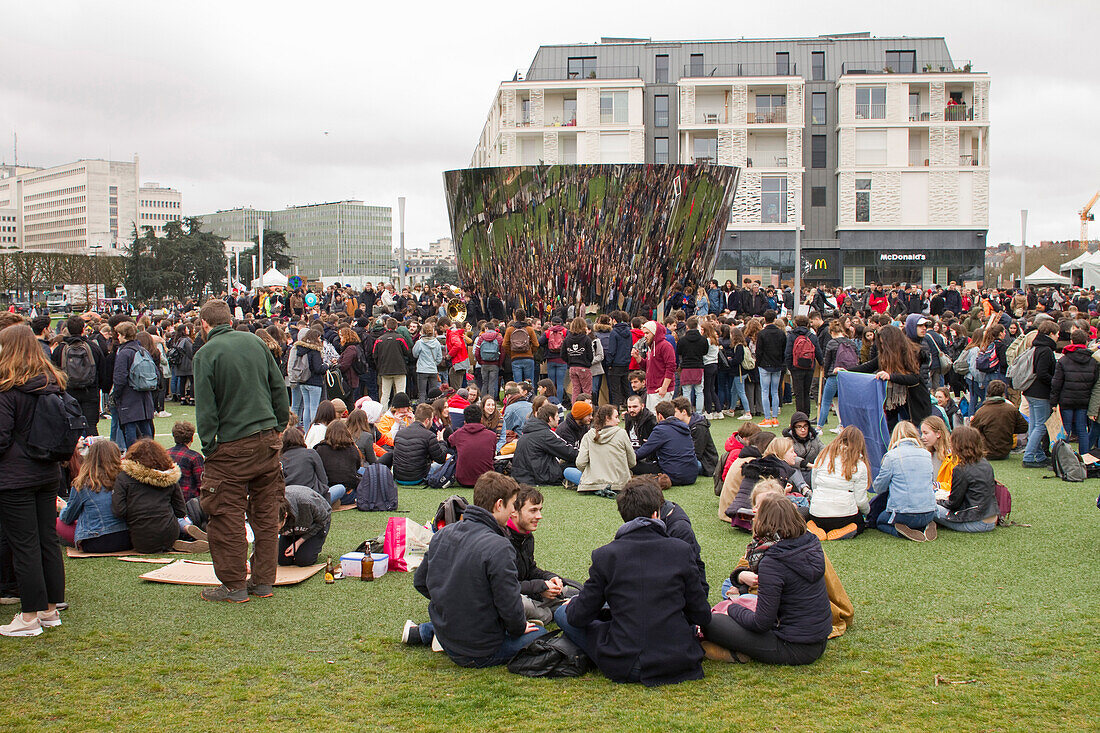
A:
{"x": 850, "y": 448}
{"x": 966, "y": 445}
{"x": 271, "y": 344}
{"x": 491, "y": 421}
{"x": 896, "y": 353}
{"x": 22, "y": 359}
{"x": 100, "y": 468}
{"x": 337, "y": 435}
{"x": 150, "y": 454}
{"x": 777, "y": 517}
{"x": 603, "y": 416}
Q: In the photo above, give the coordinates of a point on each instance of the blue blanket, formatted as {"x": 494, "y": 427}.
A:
{"x": 859, "y": 402}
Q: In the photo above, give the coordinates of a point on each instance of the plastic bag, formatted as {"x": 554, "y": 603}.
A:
{"x": 406, "y": 542}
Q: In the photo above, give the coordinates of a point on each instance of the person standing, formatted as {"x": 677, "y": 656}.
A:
{"x": 134, "y": 406}
{"x": 1038, "y": 395}
{"x": 391, "y": 355}
{"x": 771, "y": 345}
{"x": 85, "y": 368}
{"x": 241, "y": 407}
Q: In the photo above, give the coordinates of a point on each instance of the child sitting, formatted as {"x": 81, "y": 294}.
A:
{"x": 841, "y": 477}
{"x": 736, "y": 442}
{"x": 97, "y": 529}
{"x": 147, "y": 496}
{"x": 972, "y": 505}
{"x": 804, "y": 436}
{"x": 189, "y": 461}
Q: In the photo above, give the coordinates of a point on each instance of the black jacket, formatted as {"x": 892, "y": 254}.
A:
{"x": 149, "y": 501}
{"x": 973, "y": 493}
{"x": 537, "y": 452}
{"x": 341, "y": 464}
{"x": 16, "y": 412}
{"x": 618, "y": 354}
{"x": 469, "y": 576}
{"x": 414, "y": 449}
{"x": 571, "y": 431}
{"x": 391, "y": 354}
{"x": 788, "y": 349}
{"x": 532, "y": 578}
{"x": 576, "y": 350}
{"x": 103, "y": 377}
{"x": 753, "y": 305}
{"x": 705, "y": 451}
{"x": 1074, "y": 376}
{"x": 651, "y": 585}
{"x": 640, "y": 426}
{"x": 792, "y": 600}
{"x": 1043, "y": 367}
{"x": 691, "y": 348}
{"x": 771, "y": 345}
{"x": 678, "y": 525}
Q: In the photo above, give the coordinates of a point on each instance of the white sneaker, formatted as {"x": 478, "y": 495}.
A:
{"x": 19, "y": 627}
{"x": 162, "y": 413}
{"x": 49, "y": 620}
{"x": 836, "y": 430}
{"x": 747, "y": 416}
{"x": 436, "y": 646}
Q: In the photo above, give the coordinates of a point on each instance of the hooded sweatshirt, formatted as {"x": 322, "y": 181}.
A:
{"x": 605, "y": 458}
{"x": 806, "y": 449}
{"x": 660, "y": 362}
{"x": 149, "y": 500}
{"x": 671, "y": 444}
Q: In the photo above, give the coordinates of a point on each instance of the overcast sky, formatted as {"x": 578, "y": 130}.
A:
{"x": 269, "y": 104}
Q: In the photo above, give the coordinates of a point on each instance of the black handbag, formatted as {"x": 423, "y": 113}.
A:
{"x": 336, "y": 387}
{"x": 552, "y": 655}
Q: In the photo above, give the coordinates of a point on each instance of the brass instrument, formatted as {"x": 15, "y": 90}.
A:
{"x": 456, "y": 311}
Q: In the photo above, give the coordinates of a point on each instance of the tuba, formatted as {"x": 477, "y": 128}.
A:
{"x": 456, "y": 310}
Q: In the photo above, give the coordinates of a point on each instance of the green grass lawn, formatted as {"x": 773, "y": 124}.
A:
{"x": 1016, "y": 610}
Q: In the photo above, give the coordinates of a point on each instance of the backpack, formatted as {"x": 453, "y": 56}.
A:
{"x": 360, "y": 365}
{"x": 336, "y": 387}
{"x": 552, "y": 655}
{"x": 443, "y": 476}
{"x": 376, "y": 491}
{"x": 489, "y": 351}
{"x": 297, "y": 370}
{"x": 1021, "y": 372}
{"x": 78, "y": 363}
{"x": 987, "y": 359}
{"x": 144, "y": 375}
{"x": 450, "y": 511}
{"x": 175, "y": 356}
{"x": 846, "y": 356}
{"x": 962, "y": 363}
{"x": 555, "y": 337}
{"x": 519, "y": 340}
{"x": 1004, "y": 503}
{"x": 803, "y": 353}
{"x": 748, "y": 361}
{"x": 57, "y": 425}
{"x": 1065, "y": 463}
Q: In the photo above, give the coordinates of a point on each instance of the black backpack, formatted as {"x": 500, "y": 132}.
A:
{"x": 376, "y": 491}
{"x": 450, "y": 511}
{"x": 78, "y": 363}
{"x": 552, "y": 655}
{"x": 56, "y": 427}
{"x": 361, "y": 365}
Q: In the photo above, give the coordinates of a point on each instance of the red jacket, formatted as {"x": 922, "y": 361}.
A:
{"x": 660, "y": 363}
{"x": 636, "y": 334}
{"x": 476, "y": 446}
{"x": 878, "y": 303}
{"x": 734, "y": 446}
{"x": 456, "y": 345}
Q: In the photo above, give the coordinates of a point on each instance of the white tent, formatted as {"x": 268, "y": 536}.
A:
{"x": 1076, "y": 262}
{"x": 1084, "y": 270}
{"x": 271, "y": 278}
{"x": 1044, "y": 276}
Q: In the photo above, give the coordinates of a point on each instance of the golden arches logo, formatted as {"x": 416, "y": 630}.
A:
{"x": 821, "y": 264}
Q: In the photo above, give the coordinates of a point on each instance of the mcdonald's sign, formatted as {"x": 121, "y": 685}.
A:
{"x": 821, "y": 264}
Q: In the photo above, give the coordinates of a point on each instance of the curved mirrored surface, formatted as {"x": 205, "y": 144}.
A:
{"x": 618, "y": 236}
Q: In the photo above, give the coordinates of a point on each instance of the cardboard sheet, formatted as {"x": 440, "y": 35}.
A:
{"x": 194, "y": 572}
{"x": 77, "y": 554}
{"x": 343, "y": 507}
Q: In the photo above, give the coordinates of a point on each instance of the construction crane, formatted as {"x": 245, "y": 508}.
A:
{"x": 1087, "y": 216}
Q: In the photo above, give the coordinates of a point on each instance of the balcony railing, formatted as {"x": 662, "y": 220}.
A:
{"x": 968, "y": 160}
{"x": 763, "y": 159}
{"x": 564, "y": 74}
{"x": 697, "y": 71}
{"x": 870, "y": 111}
{"x": 768, "y": 117}
{"x": 917, "y": 114}
{"x": 927, "y": 67}
{"x": 711, "y": 118}
{"x": 958, "y": 113}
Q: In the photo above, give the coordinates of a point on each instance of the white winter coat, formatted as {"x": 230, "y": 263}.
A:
{"x": 835, "y": 496}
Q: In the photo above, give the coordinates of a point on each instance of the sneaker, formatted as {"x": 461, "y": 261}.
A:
{"x": 221, "y": 593}
{"x": 49, "y": 620}
{"x": 19, "y": 627}
{"x": 837, "y": 430}
{"x": 62, "y": 606}
{"x": 194, "y": 531}
{"x": 1026, "y": 464}
{"x": 747, "y": 416}
{"x": 930, "y": 532}
{"x": 908, "y": 532}
{"x": 410, "y": 634}
{"x": 260, "y": 590}
{"x": 765, "y": 423}
{"x": 193, "y": 546}
{"x": 162, "y": 413}
{"x": 847, "y": 532}
{"x": 816, "y": 531}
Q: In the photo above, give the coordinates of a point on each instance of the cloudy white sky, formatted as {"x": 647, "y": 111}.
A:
{"x": 230, "y": 102}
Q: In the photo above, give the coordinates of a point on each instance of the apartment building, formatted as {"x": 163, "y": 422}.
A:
{"x": 876, "y": 150}
{"x": 421, "y": 263}
{"x": 158, "y": 205}
{"x": 341, "y": 238}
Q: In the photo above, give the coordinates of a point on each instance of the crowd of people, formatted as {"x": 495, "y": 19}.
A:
{"x": 294, "y": 403}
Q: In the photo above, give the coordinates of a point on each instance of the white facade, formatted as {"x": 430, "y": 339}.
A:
{"x": 442, "y": 249}
{"x": 913, "y": 151}
{"x": 158, "y": 205}
{"x": 9, "y": 228}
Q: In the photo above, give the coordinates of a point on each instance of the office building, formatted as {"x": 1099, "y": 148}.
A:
{"x": 421, "y": 263}
{"x": 876, "y": 150}
{"x": 158, "y": 205}
{"x": 341, "y": 238}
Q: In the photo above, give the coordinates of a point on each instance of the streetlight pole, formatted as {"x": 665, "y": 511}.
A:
{"x": 401, "y": 220}
{"x": 260, "y": 248}
{"x": 797, "y": 256}
{"x": 1023, "y": 247}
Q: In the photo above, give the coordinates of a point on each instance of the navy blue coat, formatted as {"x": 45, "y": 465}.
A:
{"x": 671, "y": 444}
{"x": 651, "y": 586}
{"x": 792, "y": 599}
{"x": 617, "y": 353}
{"x": 132, "y": 406}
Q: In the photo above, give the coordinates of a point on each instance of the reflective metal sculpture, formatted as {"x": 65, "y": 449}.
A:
{"x": 618, "y": 236}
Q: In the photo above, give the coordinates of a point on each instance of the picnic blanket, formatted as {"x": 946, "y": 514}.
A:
{"x": 859, "y": 403}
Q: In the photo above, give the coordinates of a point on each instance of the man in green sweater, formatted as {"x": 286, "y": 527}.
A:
{"x": 241, "y": 408}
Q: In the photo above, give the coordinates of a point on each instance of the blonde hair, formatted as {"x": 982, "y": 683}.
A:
{"x": 766, "y": 486}
{"x": 850, "y": 448}
{"x": 942, "y": 448}
{"x": 779, "y": 447}
{"x": 904, "y": 430}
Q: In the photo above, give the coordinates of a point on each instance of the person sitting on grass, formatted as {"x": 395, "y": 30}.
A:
{"x": 546, "y": 388}
{"x": 341, "y": 461}
{"x": 637, "y": 384}
{"x": 542, "y": 590}
{"x": 306, "y": 517}
{"x": 937, "y": 439}
{"x": 841, "y": 477}
{"x": 302, "y": 466}
{"x": 733, "y": 483}
{"x": 87, "y": 521}
{"x": 326, "y": 413}
{"x": 905, "y": 502}
{"x": 972, "y": 505}
{"x": 636, "y": 615}
{"x": 671, "y": 448}
{"x": 517, "y": 408}
{"x": 699, "y": 427}
{"x": 639, "y": 421}
{"x": 475, "y": 446}
{"x": 779, "y": 461}
{"x": 605, "y": 456}
{"x": 577, "y": 421}
{"x": 147, "y": 497}
{"x": 736, "y": 443}
{"x": 190, "y": 461}
{"x": 678, "y": 525}
{"x": 999, "y": 421}
{"x": 806, "y": 443}
{"x": 418, "y": 449}
{"x": 792, "y": 619}
{"x": 540, "y": 452}
{"x": 470, "y": 579}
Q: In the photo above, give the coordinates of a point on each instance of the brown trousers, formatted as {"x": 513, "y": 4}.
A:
{"x": 241, "y": 476}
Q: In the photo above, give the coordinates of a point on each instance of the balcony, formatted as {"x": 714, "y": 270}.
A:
{"x": 711, "y": 118}
{"x": 564, "y": 74}
{"x": 870, "y": 111}
{"x": 918, "y": 158}
{"x": 776, "y": 116}
{"x": 958, "y": 113}
{"x": 702, "y": 71}
{"x": 764, "y": 159}
{"x": 928, "y": 67}
{"x": 917, "y": 114}
{"x": 966, "y": 161}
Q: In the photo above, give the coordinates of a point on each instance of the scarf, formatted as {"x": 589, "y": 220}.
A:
{"x": 896, "y": 395}
{"x": 754, "y": 551}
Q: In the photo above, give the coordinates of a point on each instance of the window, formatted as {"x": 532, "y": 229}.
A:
{"x": 817, "y": 108}
{"x": 525, "y": 111}
{"x": 817, "y": 151}
{"x": 871, "y": 103}
{"x": 914, "y": 106}
{"x": 613, "y": 108}
{"x": 614, "y": 147}
{"x": 817, "y": 66}
{"x": 863, "y": 199}
{"x": 660, "y": 150}
{"x": 870, "y": 147}
{"x": 582, "y": 67}
{"x": 706, "y": 150}
{"x": 660, "y": 70}
{"x": 817, "y": 196}
{"x": 696, "y": 65}
{"x": 773, "y": 200}
{"x": 771, "y": 108}
{"x": 902, "y": 62}
{"x": 782, "y": 64}
{"x": 569, "y": 111}
{"x": 660, "y": 110}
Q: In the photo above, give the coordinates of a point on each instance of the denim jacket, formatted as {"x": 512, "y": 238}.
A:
{"x": 92, "y": 512}
{"x": 906, "y": 473}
